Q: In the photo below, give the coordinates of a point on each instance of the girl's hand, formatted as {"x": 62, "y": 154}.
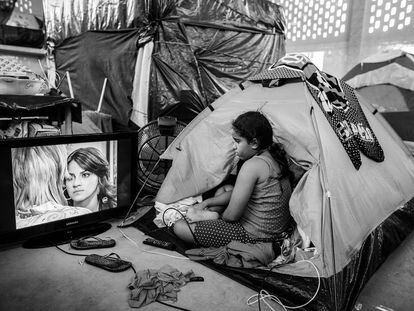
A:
{"x": 200, "y": 206}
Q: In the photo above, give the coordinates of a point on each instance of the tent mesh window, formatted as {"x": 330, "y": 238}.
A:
{"x": 153, "y": 140}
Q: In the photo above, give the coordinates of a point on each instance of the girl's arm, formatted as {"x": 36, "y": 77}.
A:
{"x": 245, "y": 182}
{"x": 221, "y": 199}
{"x": 216, "y": 203}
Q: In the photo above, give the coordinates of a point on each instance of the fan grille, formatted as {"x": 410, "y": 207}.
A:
{"x": 151, "y": 144}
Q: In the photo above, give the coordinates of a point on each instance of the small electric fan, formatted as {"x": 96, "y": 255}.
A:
{"x": 153, "y": 140}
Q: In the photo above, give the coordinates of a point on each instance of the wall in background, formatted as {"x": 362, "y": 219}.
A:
{"x": 337, "y": 34}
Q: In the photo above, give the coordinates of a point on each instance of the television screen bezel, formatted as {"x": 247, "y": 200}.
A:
{"x": 72, "y": 224}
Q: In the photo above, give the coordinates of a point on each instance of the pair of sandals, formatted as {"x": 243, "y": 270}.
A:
{"x": 111, "y": 262}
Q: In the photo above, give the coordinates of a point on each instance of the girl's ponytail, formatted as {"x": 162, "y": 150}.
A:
{"x": 277, "y": 152}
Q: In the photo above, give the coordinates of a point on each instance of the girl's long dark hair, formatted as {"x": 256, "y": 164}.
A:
{"x": 253, "y": 124}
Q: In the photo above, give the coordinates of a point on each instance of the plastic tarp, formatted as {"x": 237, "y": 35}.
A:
{"x": 70, "y": 18}
{"x": 22, "y": 24}
{"x": 201, "y": 50}
{"x": 212, "y": 47}
{"x": 93, "y": 56}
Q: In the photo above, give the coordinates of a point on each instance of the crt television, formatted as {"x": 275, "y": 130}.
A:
{"x": 57, "y": 188}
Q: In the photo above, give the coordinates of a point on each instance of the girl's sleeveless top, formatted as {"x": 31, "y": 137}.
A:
{"x": 267, "y": 214}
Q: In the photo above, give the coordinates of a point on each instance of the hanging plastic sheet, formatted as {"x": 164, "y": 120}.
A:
{"x": 70, "y": 18}
{"x": 73, "y": 17}
{"x": 201, "y": 50}
{"x": 212, "y": 46}
{"x": 22, "y": 25}
{"x": 94, "y": 56}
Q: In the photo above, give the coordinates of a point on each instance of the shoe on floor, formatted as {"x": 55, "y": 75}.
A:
{"x": 111, "y": 262}
{"x": 92, "y": 242}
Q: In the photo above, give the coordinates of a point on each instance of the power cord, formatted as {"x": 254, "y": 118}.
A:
{"x": 139, "y": 192}
{"x": 69, "y": 253}
{"x": 185, "y": 219}
{"x": 150, "y": 252}
{"x": 263, "y": 294}
{"x": 167, "y": 304}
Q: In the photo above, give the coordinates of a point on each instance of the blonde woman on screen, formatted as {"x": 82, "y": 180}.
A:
{"x": 38, "y": 176}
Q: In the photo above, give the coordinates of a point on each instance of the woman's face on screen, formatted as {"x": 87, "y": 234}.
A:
{"x": 82, "y": 185}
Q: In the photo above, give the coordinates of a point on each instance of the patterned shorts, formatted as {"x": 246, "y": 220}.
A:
{"x": 216, "y": 233}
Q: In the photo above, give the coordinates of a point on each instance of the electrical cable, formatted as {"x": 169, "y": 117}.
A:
{"x": 183, "y": 217}
{"x": 69, "y": 253}
{"x": 150, "y": 252}
{"x": 167, "y": 304}
{"x": 263, "y": 294}
{"x": 139, "y": 192}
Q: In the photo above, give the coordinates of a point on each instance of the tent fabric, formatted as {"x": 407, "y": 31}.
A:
{"x": 388, "y": 98}
{"x": 338, "y": 292}
{"x": 386, "y": 80}
{"x": 395, "y": 67}
{"x": 336, "y": 205}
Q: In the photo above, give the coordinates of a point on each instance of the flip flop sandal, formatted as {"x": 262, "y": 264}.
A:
{"x": 111, "y": 262}
{"x": 91, "y": 242}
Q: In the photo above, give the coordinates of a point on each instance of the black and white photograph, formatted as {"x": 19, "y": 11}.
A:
{"x": 207, "y": 155}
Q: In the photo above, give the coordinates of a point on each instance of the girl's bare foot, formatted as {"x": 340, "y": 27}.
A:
{"x": 195, "y": 214}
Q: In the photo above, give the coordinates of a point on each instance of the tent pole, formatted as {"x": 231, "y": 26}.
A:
{"x": 328, "y": 195}
{"x": 333, "y": 250}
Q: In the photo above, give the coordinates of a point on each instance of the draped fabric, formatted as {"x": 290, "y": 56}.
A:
{"x": 337, "y": 101}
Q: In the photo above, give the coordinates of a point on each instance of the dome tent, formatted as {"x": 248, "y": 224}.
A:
{"x": 386, "y": 80}
{"x": 347, "y": 200}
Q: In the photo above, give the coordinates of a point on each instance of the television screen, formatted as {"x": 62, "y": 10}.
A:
{"x": 58, "y": 183}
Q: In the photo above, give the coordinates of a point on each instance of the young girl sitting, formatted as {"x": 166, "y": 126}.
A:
{"x": 257, "y": 208}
